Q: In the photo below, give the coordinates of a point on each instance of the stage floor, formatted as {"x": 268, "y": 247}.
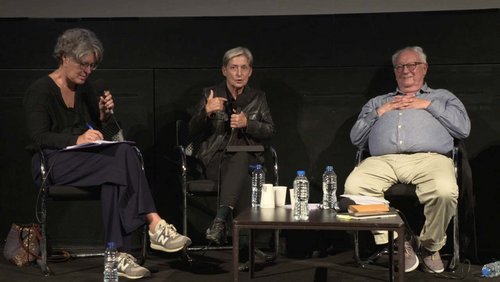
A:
{"x": 216, "y": 266}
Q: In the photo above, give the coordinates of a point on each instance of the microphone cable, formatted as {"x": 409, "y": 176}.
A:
{"x": 119, "y": 135}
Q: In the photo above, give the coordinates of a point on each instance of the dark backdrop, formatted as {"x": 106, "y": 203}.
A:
{"x": 317, "y": 71}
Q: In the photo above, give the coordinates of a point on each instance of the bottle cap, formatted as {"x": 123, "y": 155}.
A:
{"x": 111, "y": 245}
{"x": 486, "y": 271}
{"x": 258, "y": 166}
{"x": 301, "y": 172}
{"x": 329, "y": 168}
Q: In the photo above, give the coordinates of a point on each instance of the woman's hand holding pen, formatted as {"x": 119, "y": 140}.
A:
{"x": 90, "y": 135}
{"x": 106, "y": 105}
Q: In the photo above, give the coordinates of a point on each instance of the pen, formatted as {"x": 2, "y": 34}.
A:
{"x": 89, "y": 126}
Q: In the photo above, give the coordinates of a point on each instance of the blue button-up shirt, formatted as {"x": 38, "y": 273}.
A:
{"x": 410, "y": 131}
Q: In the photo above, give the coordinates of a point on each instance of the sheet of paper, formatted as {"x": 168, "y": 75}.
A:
{"x": 95, "y": 143}
{"x": 365, "y": 200}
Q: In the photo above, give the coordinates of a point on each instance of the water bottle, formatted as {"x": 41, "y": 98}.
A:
{"x": 329, "y": 188}
{"x": 258, "y": 178}
{"x": 110, "y": 263}
{"x": 301, "y": 190}
{"x": 491, "y": 269}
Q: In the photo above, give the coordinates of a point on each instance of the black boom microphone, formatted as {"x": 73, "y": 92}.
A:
{"x": 344, "y": 203}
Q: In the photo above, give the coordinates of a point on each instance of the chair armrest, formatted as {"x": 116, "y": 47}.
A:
{"x": 43, "y": 165}
{"x": 139, "y": 156}
{"x": 275, "y": 165}
{"x": 361, "y": 154}
{"x": 182, "y": 157}
{"x": 455, "y": 156}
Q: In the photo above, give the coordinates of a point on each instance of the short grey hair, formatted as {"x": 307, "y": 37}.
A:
{"x": 235, "y": 52}
{"x": 417, "y": 49}
{"x": 77, "y": 43}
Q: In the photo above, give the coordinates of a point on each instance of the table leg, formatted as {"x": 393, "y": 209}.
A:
{"x": 236, "y": 250}
{"x": 391, "y": 255}
{"x": 401, "y": 253}
{"x": 251, "y": 249}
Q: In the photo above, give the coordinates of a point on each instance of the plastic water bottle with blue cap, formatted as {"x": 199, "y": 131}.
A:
{"x": 110, "y": 263}
{"x": 301, "y": 190}
{"x": 258, "y": 178}
{"x": 329, "y": 188}
{"x": 491, "y": 269}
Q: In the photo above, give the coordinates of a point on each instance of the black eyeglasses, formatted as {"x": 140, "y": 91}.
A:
{"x": 409, "y": 66}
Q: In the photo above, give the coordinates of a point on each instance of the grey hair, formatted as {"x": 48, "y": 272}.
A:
{"x": 416, "y": 49}
{"x": 235, "y": 52}
{"x": 77, "y": 43}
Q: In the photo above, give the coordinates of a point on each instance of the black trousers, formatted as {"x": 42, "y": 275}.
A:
{"x": 235, "y": 178}
{"x": 125, "y": 194}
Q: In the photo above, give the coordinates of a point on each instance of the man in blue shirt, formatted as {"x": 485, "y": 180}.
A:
{"x": 409, "y": 133}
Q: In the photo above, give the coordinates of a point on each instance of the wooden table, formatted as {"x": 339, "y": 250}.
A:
{"x": 319, "y": 219}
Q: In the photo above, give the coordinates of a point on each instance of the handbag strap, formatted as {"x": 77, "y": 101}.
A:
{"x": 62, "y": 256}
{"x": 59, "y": 256}
{"x": 31, "y": 228}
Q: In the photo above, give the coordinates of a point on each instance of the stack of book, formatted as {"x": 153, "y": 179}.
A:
{"x": 367, "y": 208}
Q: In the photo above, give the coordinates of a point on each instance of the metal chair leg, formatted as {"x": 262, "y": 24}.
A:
{"x": 42, "y": 262}
{"x": 455, "y": 260}
{"x": 369, "y": 260}
{"x": 356, "y": 248}
{"x": 185, "y": 257}
{"x": 144, "y": 245}
{"x": 276, "y": 244}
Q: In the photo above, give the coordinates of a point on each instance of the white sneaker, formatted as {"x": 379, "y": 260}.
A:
{"x": 167, "y": 239}
{"x": 128, "y": 267}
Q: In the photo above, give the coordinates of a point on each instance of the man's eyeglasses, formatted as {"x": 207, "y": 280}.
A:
{"x": 409, "y": 66}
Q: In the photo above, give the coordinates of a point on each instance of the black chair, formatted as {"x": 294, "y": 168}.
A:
{"x": 71, "y": 193}
{"x": 195, "y": 185}
{"x": 400, "y": 192}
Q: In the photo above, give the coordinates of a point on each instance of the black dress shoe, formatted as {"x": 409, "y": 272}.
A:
{"x": 217, "y": 232}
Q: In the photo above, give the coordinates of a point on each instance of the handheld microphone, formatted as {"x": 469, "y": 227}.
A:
{"x": 234, "y": 109}
{"x": 100, "y": 87}
{"x": 234, "y": 105}
{"x": 110, "y": 110}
